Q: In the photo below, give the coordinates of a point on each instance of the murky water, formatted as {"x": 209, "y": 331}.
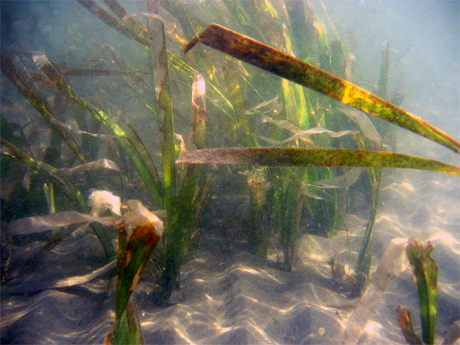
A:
{"x": 225, "y": 295}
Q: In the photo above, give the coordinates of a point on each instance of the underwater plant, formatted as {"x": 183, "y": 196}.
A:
{"x": 134, "y": 251}
{"x": 426, "y": 278}
{"x": 279, "y": 63}
{"x": 307, "y": 136}
{"x": 138, "y": 233}
{"x": 396, "y": 258}
{"x": 183, "y": 202}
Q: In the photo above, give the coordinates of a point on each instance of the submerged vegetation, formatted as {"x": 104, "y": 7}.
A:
{"x": 300, "y": 135}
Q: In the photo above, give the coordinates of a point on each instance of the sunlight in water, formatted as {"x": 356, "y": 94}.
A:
{"x": 277, "y": 203}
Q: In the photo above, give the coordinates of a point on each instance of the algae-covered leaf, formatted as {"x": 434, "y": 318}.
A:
{"x": 35, "y": 224}
{"x": 127, "y": 330}
{"x": 291, "y": 68}
{"x": 426, "y": 278}
{"x": 64, "y": 70}
{"x": 128, "y": 28}
{"x": 116, "y": 8}
{"x": 407, "y": 327}
{"x": 74, "y": 194}
{"x": 57, "y": 221}
{"x": 128, "y": 138}
{"x": 325, "y": 157}
{"x": 198, "y": 120}
{"x": 146, "y": 233}
{"x": 383, "y": 80}
{"x": 99, "y": 164}
{"x": 19, "y": 76}
{"x": 165, "y": 108}
{"x": 203, "y": 194}
{"x": 137, "y": 253}
{"x": 47, "y": 171}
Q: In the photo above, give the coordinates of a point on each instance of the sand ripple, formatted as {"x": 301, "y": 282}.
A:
{"x": 242, "y": 299}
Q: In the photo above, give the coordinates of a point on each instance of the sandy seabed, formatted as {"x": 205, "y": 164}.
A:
{"x": 228, "y": 296}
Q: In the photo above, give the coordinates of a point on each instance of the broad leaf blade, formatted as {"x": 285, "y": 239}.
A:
{"x": 198, "y": 120}
{"x": 127, "y": 329}
{"x": 407, "y": 327}
{"x": 325, "y": 157}
{"x": 165, "y": 108}
{"x": 426, "y": 278}
{"x": 291, "y": 68}
{"x": 20, "y": 77}
{"x": 36, "y": 224}
{"x": 136, "y": 254}
{"x": 129, "y": 28}
{"x": 129, "y": 139}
